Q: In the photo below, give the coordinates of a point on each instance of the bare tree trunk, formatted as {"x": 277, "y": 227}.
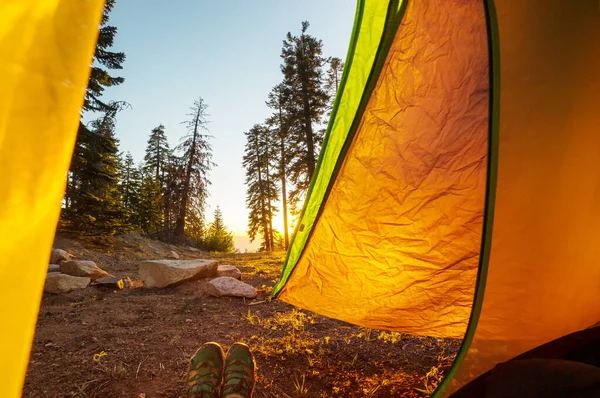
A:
{"x": 68, "y": 190}
{"x": 158, "y": 163}
{"x": 308, "y": 131}
{"x": 283, "y": 182}
{"x": 270, "y": 237}
{"x": 310, "y": 145}
{"x": 185, "y": 194}
{"x": 262, "y": 199}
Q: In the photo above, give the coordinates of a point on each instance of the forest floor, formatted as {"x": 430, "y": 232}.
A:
{"x": 97, "y": 342}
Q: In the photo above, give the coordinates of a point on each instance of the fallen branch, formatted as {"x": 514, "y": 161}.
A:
{"x": 139, "y": 366}
{"x": 257, "y": 302}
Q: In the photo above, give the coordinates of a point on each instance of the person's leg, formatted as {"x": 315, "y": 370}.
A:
{"x": 205, "y": 373}
{"x": 239, "y": 374}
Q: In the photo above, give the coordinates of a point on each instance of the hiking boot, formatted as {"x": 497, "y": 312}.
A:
{"x": 239, "y": 372}
{"x": 206, "y": 371}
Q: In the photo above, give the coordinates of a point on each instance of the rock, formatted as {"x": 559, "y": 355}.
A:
{"x": 162, "y": 273}
{"x": 193, "y": 249}
{"x": 228, "y": 286}
{"x": 229, "y": 270}
{"x": 62, "y": 283}
{"x": 59, "y": 255}
{"x": 172, "y": 254}
{"x": 53, "y": 268}
{"x": 83, "y": 268}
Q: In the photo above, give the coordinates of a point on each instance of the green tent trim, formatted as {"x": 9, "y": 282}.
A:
{"x": 338, "y": 137}
{"x": 490, "y": 201}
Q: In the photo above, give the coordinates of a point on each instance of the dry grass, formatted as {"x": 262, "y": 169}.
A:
{"x": 96, "y": 343}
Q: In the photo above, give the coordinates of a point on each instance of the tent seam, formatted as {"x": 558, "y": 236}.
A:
{"x": 349, "y": 60}
{"x": 492, "y": 176}
{"x": 390, "y": 28}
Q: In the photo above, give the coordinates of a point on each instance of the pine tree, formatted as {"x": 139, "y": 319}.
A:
{"x": 95, "y": 204}
{"x": 333, "y": 79}
{"x": 218, "y": 238}
{"x": 262, "y": 190}
{"x": 195, "y": 227}
{"x": 157, "y": 154}
{"x": 103, "y": 57}
{"x": 156, "y": 161}
{"x": 150, "y": 211}
{"x": 196, "y": 162}
{"x": 279, "y": 124}
{"x": 303, "y": 77}
{"x": 92, "y": 201}
{"x": 129, "y": 187}
{"x": 172, "y": 196}
{"x": 279, "y": 243}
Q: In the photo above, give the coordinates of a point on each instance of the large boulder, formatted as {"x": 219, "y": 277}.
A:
{"x": 83, "y": 268}
{"x": 59, "y": 255}
{"x": 53, "y": 268}
{"x": 62, "y": 283}
{"x": 162, "y": 273}
{"x": 173, "y": 254}
{"x": 228, "y": 286}
{"x": 229, "y": 270}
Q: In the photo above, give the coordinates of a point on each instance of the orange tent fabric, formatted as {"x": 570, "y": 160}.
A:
{"x": 543, "y": 278}
{"x": 397, "y": 244}
{"x": 464, "y": 203}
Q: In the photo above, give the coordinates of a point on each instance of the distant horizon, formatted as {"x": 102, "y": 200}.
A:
{"x": 229, "y": 56}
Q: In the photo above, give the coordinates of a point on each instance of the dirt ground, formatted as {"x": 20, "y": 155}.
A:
{"x": 98, "y": 342}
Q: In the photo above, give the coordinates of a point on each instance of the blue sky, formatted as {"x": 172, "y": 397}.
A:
{"x": 225, "y": 51}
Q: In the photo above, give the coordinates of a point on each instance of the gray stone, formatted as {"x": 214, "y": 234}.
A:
{"x": 229, "y": 270}
{"x": 228, "y": 286}
{"x": 62, "y": 283}
{"x": 173, "y": 255}
{"x": 53, "y": 268}
{"x": 59, "y": 255}
{"x": 83, "y": 268}
{"x": 162, "y": 273}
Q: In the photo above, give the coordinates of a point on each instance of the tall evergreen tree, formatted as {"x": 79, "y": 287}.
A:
{"x": 303, "y": 76}
{"x": 261, "y": 191}
{"x": 156, "y": 161}
{"x": 196, "y": 161}
{"x": 100, "y": 78}
{"x": 131, "y": 181}
{"x": 195, "y": 227}
{"x": 333, "y": 79}
{"x": 150, "y": 210}
{"x": 92, "y": 181}
{"x": 157, "y": 154}
{"x": 171, "y": 199}
{"x": 95, "y": 204}
{"x": 279, "y": 124}
{"x": 218, "y": 238}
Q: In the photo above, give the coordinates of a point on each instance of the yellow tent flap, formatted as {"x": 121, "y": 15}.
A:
{"x": 46, "y": 48}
